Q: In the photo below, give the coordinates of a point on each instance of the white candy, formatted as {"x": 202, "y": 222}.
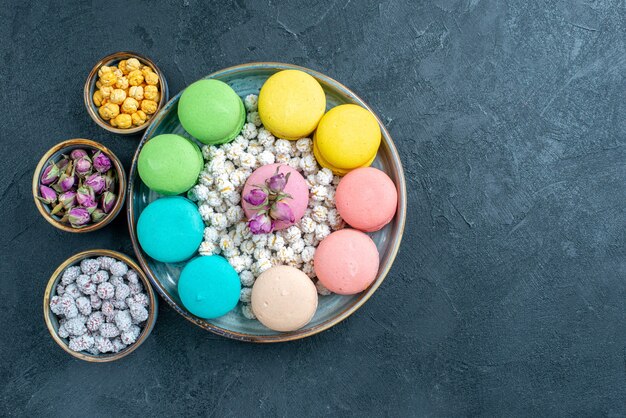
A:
{"x": 245, "y": 294}
{"x": 251, "y": 102}
{"x": 304, "y": 145}
{"x": 253, "y": 117}
{"x": 266, "y": 157}
{"x": 324, "y": 177}
{"x": 282, "y": 146}
{"x": 319, "y": 214}
{"x": 249, "y": 131}
{"x": 246, "y": 310}
{"x": 246, "y": 277}
{"x": 211, "y": 234}
{"x": 308, "y": 253}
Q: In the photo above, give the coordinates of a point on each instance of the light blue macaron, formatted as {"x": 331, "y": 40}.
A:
{"x": 209, "y": 286}
{"x": 170, "y": 229}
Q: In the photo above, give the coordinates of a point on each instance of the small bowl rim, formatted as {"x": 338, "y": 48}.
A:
{"x": 121, "y": 175}
{"x": 91, "y": 80}
{"x": 363, "y": 297}
{"x": 108, "y": 357}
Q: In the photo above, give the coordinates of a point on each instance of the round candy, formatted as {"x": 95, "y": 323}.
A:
{"x": 209, "y": 286}
{"x": 211, "y": 111}
{"x": 347, "y": 137}
{"x": 366, "y": 199}
{"x": 169, "y": 164}
{"x": 284, "y": 298}
{"x": 170, "y": 229}
{"x": 296, "y": 187}
{"x": 291, "y": 104}
{"x": 346, "y": 262}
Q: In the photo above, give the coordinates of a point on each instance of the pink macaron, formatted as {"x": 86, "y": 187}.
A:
{"x": 296, "y": 187}
{"x": 366, "y": 199}
{"x": 346, "y": 262}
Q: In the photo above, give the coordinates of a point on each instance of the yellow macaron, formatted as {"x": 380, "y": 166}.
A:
{"x": 347, "y": 137}
{"x": 338, "y": 171}
{"x": 291, "y": 104}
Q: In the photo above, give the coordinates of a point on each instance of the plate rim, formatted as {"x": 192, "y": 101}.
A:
{"x": 362, "y": 298}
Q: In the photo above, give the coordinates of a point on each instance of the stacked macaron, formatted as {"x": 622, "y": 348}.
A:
{"x": 347, "y": 137}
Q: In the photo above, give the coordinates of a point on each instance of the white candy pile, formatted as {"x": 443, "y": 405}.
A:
{"x": 218, "y": 195}
{"x": 101, "y": 305}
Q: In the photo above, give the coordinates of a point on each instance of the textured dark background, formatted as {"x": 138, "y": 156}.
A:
{"x": 508, "y": 294}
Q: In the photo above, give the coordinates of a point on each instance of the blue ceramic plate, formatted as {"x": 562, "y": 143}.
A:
{"x": 247, "y": 79}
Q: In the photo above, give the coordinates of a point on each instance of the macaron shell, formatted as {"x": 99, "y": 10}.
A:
{"x": 211, "y": 111}
{"x": 348, "y": 136}
{"x": 284, "y": 298}
{"x": 346, "y": 262}
{"x": 169, "y": 164}
{"x": 367, "y": 199}
{"x": 337, "y": 171}
{"x": 170, "y": 229}
{"x": 291, "y": 104}
{"x": 296, "y": 187}
{"x": 209, "y": 286}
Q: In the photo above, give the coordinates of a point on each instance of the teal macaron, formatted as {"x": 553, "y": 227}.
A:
{"x": 170, "y": 229}
{"x": 209, "y": 286}
{"x": 211, "y": 112}
{"x": 170, "y": 164}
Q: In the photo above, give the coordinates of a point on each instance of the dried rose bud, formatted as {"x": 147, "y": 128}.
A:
{"x": 281, "y": 211}
{"x": 48, "y": 195}
{"x": 68, "y": 199}
{"x": 98, "y": 215}
{"x": 65, "y": 183}
{"x": 90, "y": 205}
{"x": 101, "y": 162}
{"x": 84, "y": 194}
{"x": 109, "y": 180}
{"x": 78, "y": 217}
{"x": 82, "y": 166}
{"x": 256, "y": 197}
{"x": 63, "y": 164}
{"x": 261, "y": 224}
{"x": 50, "y": 174}
{"x": 78, "y": 153}
{"x": 277, "y": 182}
{"x": 96, "y": 182}
{"x": 107, "y": 201}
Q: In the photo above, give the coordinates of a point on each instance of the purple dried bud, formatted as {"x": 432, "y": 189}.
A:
{"x": 281, "y": 211}
{"x": 62, "y": 164}
{"x": 68, "y": 199}
{"x": 48, "y": 195}
{"x": 101, "y": 162}
{"x": 277, "y": 182}
{"x": 84, "y": 194}
{"x": 90, "y": 205}
{"x": 78, "y": 217}
{"x": 98, "y": 215}
{"x": 260, "y": 224}
{"x": 109, "y": 181}
{"x": 107, "y": 201}
{"x": 96, "y": 182}
{"x": 78, "y": 153}
{"x": 82, "y": 166}
{"x": 65, "y": 183}
{"x": 50, "y": 174}
{"x": 256, "y": 197}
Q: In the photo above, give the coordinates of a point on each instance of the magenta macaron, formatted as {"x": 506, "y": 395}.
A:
{"x": 296, "y": 187}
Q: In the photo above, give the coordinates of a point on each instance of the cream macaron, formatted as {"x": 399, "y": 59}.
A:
{"x": 284, "y": 298}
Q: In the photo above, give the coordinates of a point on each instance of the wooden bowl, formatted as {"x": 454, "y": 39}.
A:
{"x": 90, "y": 88}
{"x": 53, "y": 324}
{"x": 247, "y": 79}
{"x": 54, "y": 154}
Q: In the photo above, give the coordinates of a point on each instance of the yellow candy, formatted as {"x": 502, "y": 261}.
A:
{"x": 132, "y": 64}
{"x": 151, "y": 93}
{"x": 122, "y": 121}
{"x": 109, "y": 111}
{"x": 117, "y": 96}
{"x": 347, "y": 137}
{"x": 151, "y": 78}
{"x": 139, "y": 117}
{"x": 108, "y": 79}
{"x": 122, "y": 66}
{"x": 291, "y": 104}
{"x": 121, "y": 83}
{"x": 149, "y": 106}
{"x": 130, "y": 105}
{"x": 97, "y": 98}
{"x": 135, "y": 77}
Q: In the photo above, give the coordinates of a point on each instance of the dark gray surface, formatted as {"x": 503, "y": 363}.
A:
{"x": 508, "y": 295}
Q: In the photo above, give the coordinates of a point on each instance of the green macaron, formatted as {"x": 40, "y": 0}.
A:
{"x": 211, "y": 112}
{"x": 170, "y": 164}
